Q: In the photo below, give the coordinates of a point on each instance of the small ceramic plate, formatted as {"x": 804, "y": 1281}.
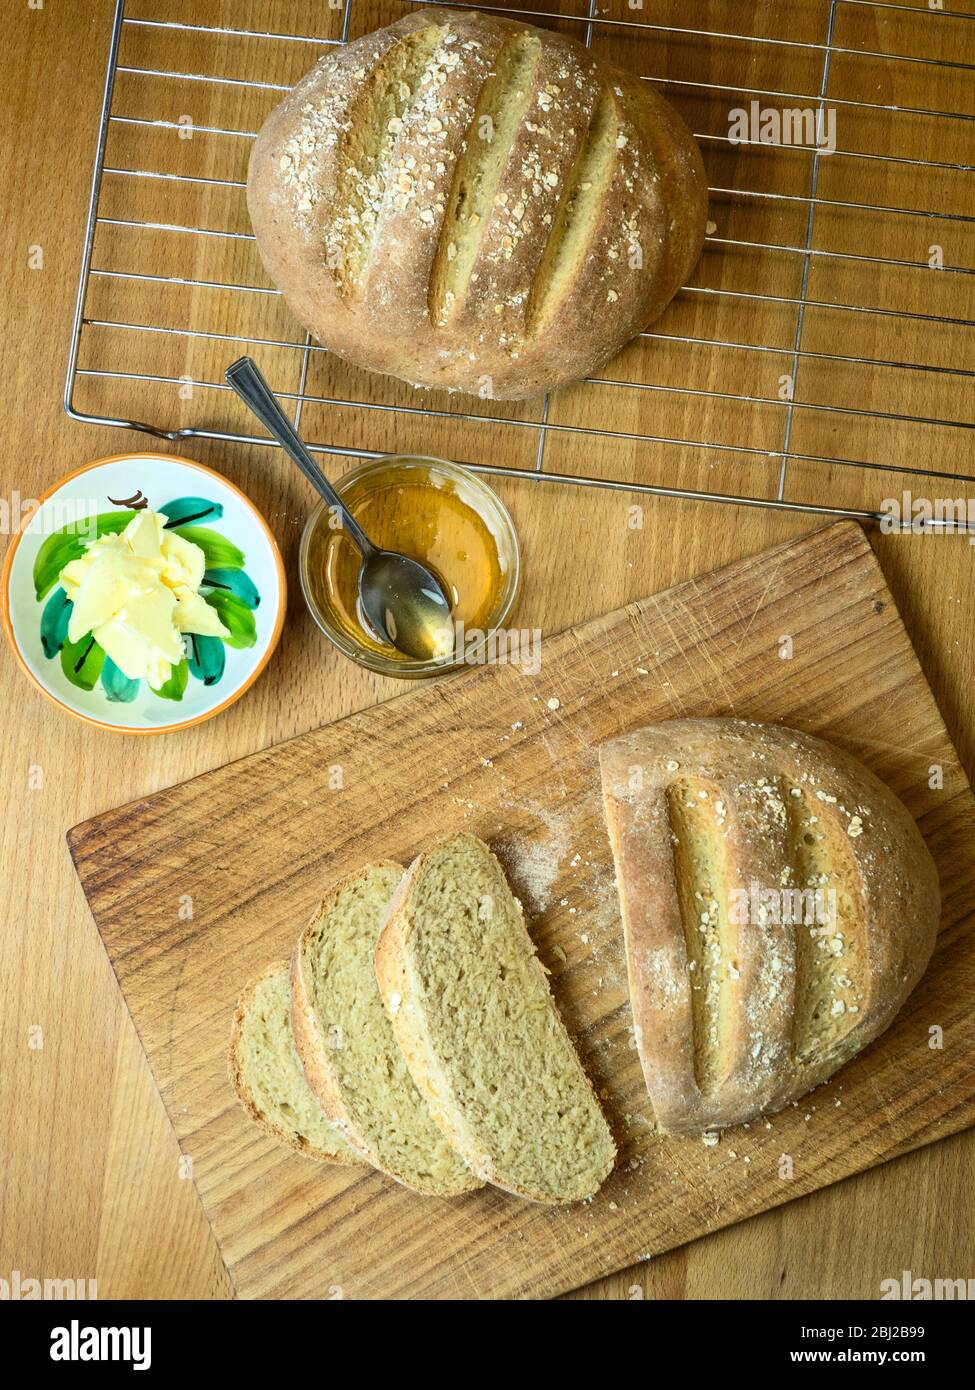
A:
{"x": 244, "y": 581}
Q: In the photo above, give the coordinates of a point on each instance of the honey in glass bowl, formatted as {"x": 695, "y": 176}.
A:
{"x": 433, "y": 511}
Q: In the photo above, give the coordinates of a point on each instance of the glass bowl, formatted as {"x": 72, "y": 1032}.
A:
{"x": 319, "y": 536}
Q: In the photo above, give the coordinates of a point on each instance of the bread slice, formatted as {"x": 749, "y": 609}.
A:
{"x": 346, "y": 1043}
{"x": 266, "y": 1074}
{"x": 473, "y": 1014}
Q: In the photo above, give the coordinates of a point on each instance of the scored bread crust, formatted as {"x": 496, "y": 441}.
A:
{"x": 315, "y": 1055}
{"x": 640, "y": 231}
{"x": 348, "y": 1158}
{"x": 411, "y": 1026}
{"x": 745, "y": 774}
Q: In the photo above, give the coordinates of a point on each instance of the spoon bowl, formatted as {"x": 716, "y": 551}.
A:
{"x": 405, "y": 602}
{"x": 402, "y": 604}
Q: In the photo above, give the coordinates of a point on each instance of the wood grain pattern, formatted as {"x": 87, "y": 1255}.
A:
{"x": 92, "y": 1182}
{"x": 731, "y": 374}
{"x": 251, "y": 846}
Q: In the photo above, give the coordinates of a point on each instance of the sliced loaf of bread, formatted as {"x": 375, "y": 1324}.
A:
{"x": 473, "y": 1015}
{"x": 266, "y": 1074}
{"x": 346, "y": 1044}
{"x": 778, "y": 904}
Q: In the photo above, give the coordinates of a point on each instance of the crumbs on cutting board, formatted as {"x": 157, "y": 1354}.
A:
{"x": 533, "y": 861}
{"x": 556, "y": 856}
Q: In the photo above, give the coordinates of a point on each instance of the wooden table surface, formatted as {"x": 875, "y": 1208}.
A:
{"x": 91, "y": 1183}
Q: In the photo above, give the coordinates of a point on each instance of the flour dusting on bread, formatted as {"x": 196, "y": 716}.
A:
{"x": 472, "y": 203}
{"x": 778, "y": 906}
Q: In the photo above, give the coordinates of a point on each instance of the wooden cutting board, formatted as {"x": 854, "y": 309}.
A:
{"x": 195, "y": 889}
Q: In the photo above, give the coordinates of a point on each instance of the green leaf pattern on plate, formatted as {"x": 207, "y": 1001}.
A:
{"x": 82, "y": 661}
{"x": 175, "y": 687}
{"x": 119, "y": 687}
{"x": 236, "y": 582}
{"x": 219, "y": 552}
{"x": 190, "y": 509}
{"x": 54, "y": 622}
{"x": 235, "y": 616}
{"x": 60, "y": 547}
{"x": 206, "y": 657}
{"x": 226, "y": 587}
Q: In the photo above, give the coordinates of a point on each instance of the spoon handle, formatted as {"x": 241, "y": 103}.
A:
{"x": 245, "y": 378}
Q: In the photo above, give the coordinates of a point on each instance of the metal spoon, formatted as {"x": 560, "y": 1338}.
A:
{"x": 405, "y": 602}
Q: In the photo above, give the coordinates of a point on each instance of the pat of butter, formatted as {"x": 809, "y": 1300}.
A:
{"x": 137, "y": 593}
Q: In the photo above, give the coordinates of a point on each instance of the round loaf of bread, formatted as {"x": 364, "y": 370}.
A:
{"x": 778, "y": 904}
{"x": 471, "y": 203}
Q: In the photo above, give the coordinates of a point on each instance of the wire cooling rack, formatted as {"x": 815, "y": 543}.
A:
{"x": 818, "y": 360}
